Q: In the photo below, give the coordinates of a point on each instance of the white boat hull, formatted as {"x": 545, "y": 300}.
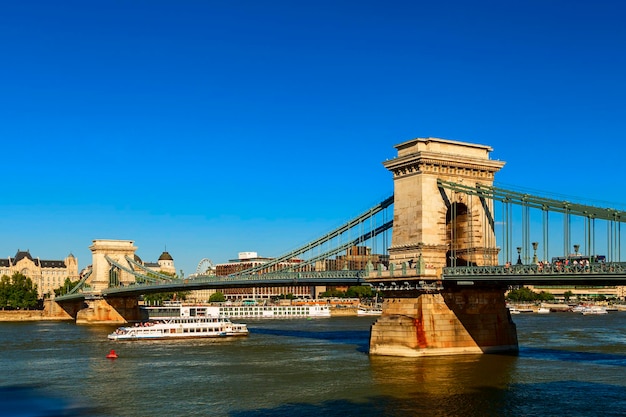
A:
{"x": 369, "y": 312}
{"x": 242, "y": 311}
{"x": 181, "y": 328}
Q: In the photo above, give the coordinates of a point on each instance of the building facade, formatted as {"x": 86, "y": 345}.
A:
{"x": 246, "y": 260}
{"x": 164, "y": 264}
{"x": 578, "y": 293}
{"x": 355, "y": 258}
{"x": 47, "y": 275}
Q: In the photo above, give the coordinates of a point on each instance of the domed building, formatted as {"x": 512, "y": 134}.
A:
{"x": 166, "y": 262}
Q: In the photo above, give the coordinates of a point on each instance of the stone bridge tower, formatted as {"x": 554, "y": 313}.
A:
{"x": 446, "y": 228}
{"x": 103, "y": 275}
{"x": 434, "y": 227}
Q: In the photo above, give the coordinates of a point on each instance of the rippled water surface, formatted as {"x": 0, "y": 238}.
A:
{"x": 569, "y": 364}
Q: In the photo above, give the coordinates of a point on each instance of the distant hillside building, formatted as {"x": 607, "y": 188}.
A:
{"x": 355, "y": 258}
{"x": 164, "y": 264}
{"x": 247, "y": 260}
{"x": 47, "y": 275}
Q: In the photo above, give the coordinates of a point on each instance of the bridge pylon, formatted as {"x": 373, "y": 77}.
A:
{"x": 104, "y": 275}
{"x": 433, "y": 228}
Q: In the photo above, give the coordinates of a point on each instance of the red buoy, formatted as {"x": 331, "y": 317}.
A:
{"x": 112, "y": 354}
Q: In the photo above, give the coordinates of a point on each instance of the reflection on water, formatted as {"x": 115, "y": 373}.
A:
{"x": 33, "y": 401}
{"x": 471, "y": 385}
{"x": 444, "y": 375}
{"x": 567, "y": 364}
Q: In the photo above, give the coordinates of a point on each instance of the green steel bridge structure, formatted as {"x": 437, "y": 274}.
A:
{"x": 515, "y": 217}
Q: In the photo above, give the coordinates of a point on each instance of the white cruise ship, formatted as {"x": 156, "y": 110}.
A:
{"x": 240, "y": 311}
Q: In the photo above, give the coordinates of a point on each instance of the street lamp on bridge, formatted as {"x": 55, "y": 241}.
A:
{"x": 519, "y": 255}
{"x": 535, "y": 245}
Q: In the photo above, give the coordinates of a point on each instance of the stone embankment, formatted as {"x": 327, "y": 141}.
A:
{"x": 28, "y": 315}
{"x": 343, "y": 311}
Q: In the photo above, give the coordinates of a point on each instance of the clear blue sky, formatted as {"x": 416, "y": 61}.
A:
{"x": 214, "y": 127}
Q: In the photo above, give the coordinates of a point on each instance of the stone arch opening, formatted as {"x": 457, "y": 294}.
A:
{"x": 458, "y": 219}
{"x": 114, "y": 277}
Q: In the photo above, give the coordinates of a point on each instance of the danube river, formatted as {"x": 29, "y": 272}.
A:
{"x": 569, "y": 365}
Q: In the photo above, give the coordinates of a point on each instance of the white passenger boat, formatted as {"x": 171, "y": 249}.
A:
{"x": 519, "y": 310}
{"x": 594, "y": 310}
{"x": 256, "y": 311}
{"x": 543, "y": 310}
{"x": 276, "y": 311}
{"x": 369, "y": 311}
{"x": 180, "y": 327}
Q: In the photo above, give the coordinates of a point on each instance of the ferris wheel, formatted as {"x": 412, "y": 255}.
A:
{"x": 204, "y": 267}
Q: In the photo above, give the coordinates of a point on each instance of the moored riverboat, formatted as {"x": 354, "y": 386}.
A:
{"x": 369, "y": 311}
{"x": 255, "y": 311}
{"x": 592, "y": 310}
{"x": 513, "y": 309}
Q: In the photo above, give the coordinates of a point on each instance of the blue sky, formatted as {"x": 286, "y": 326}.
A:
{"x": 215, "y": 127}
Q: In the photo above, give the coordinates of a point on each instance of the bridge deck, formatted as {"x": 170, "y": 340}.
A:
{"x": 595, "y": 274}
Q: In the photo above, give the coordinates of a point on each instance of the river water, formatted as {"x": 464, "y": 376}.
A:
{"x": 569, "y": 364}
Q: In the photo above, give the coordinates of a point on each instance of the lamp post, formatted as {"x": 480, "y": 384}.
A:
{"x": 519, "y": 255}
{"x": 535, "y": 245}
{"x": 576, "y": 248}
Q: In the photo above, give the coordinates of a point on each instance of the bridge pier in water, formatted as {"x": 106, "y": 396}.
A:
{"x": 435, "y": 228}
{"x": 63, "y": 311}
{"x": 109, "y": 310}
{"x": 447, "y": 322}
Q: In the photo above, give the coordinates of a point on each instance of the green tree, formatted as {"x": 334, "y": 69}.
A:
{"x": 360, "y": 291}
{"x": 567, "y": 295}
{"x": 522, "y": 294}
{"x": 67, "y": 286}
{"x": 333, "y": 293}
{"x": 18, "y": 291}
{"x": 5, "y": 284}
{"x": 289, "y": 296}
{"x": 159, "y": 297}
{"x": 545, "y": 296}
{"x": 217, "y": 297}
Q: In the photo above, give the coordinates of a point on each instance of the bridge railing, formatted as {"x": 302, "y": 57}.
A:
{"x": 408, "y": 269}
{"x": 306, "y": 274}
{"x": 550, "y": 269}
{"x": 262, "y": 277}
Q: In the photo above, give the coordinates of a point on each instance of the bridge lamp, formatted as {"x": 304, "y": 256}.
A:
{"x": 519, "y": 255}
{"x": 576, "y": 248}
{"x": 535, "y": 245}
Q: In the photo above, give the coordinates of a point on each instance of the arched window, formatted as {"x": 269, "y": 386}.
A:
{"x": 114, "y": 279}
{"x": 457, "y": 231}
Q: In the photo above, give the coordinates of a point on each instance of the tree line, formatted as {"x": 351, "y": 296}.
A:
{"x": 19, "y": 292}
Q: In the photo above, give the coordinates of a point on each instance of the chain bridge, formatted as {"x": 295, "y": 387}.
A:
{"x": 442, "y": 250}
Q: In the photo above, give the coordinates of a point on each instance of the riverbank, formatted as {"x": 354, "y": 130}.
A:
{"x": 42, "y": 315}
{"x": 29, "y": 315}
{"x": 559, "y": 307}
